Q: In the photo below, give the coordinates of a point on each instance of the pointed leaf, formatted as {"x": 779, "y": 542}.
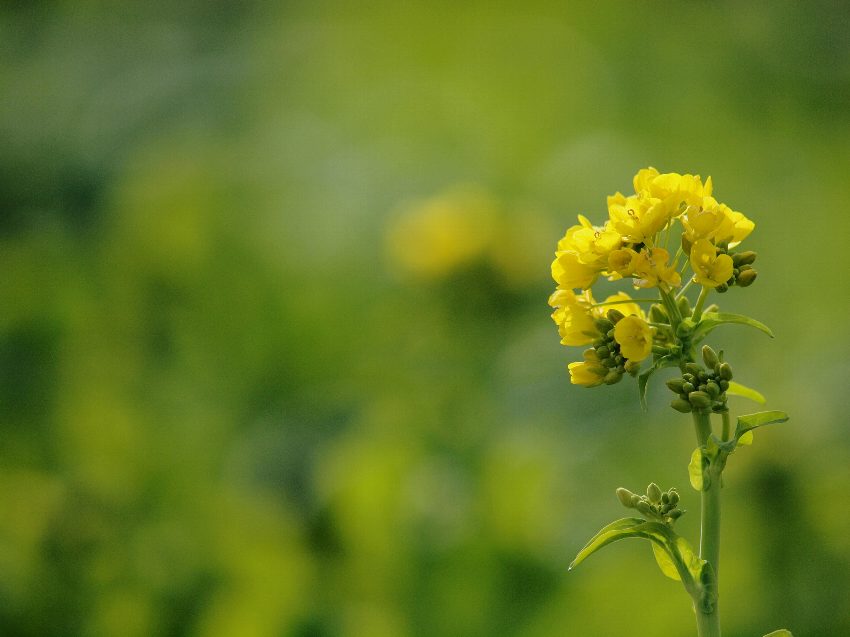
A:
{"x": 753, "y": 421}
{"x": 643, "y": 379}
{"x": 737, "y": 389}
{"x": 665, "y": 562}
{"x": 710, "y": 320}
{"x": 746, "y": 438}
{"x": 606, "y": 535}
{"x": 780, "y": 633}
{"x": 695, "y": 469}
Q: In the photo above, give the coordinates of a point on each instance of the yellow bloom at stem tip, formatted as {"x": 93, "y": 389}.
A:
{"x": 588, "y": 373}
{"x": 710, "y": 269}
{"x": 634, "y": 336}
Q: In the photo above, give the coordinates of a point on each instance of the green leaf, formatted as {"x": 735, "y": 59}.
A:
{"x": 754, "y": 421}
{"x": 780, "y": 633}
{"x": 679, "y": 553}
{"x": 606, "y": 535}
{"x": 695, "y": 472}
{"x": 746, "y": 438}
{"x": 643, "y": 379}
{"x": 665, "y": 563}
{"x": 710, "y": 320}
{"x": 737, "y": 389}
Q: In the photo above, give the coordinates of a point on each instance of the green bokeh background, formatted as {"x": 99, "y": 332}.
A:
{"x": 227, "y": 409}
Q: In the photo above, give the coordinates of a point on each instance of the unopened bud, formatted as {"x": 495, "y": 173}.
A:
{"x": 684, "y": 306}
{"x": 675, "y": 385}
{"x": 613, "y": 376}
{"x": 700, "y": 399}
{"x": 657, "y": 314}
{"x": 674, "y": 496}
{"x": 746, "y": 278}
{"x": 723, "y": 287}
{"x": 709, "y": 356}
{"x": 744, "y": 258}
{"x": 675, "y": 514}
{"x": 632, "y": 367}
{"x": 693, "y": 368}
{"x": 615, "y": 315}
{"x": 687, "y": 388}
{"x": 625, "y": 496}
{"x": 725, "y": 371}
{"x": 682, "y": 405}
{"x": 712, "y": 389}
{"x": 603, "y": 325}
{"x": 644, "y": 507}
{"x": 653, "y": 492}
{"x": 685, "y": 328}
{"x": 602, "y": 352}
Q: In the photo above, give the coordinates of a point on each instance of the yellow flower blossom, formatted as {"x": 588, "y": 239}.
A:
{"x": 637, "y": 218}
{"x": 570, "y": 273}
{"x": 716, "y": 222}
{"x": 626, "y": 305}
{"x": 651, "y": 268}
{"x": 634, "y": 336}
{"x": 710, "y": 269}
{"x": 574, "y": 317}
{"x": 591, "y": 243}
{"x": 623, "y": 261}
{"x": 671, "y": 189}
{"x": 590, "y": 372}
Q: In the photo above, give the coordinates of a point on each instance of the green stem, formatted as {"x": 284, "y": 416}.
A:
{"x": 727, "y": 426}
{"x": 700, "y": 302}
{"x": 623, "y": 301}
{"x": 708, "y": 624}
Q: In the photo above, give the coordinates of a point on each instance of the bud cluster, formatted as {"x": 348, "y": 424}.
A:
{"x": 743, "y": 274}
{"x": 702, "y": 389}
{"x": 662, "y": 506}
{"x": 606, "y": 349}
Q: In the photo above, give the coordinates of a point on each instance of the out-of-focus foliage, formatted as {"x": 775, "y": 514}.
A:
{"x": 275, "y": 354}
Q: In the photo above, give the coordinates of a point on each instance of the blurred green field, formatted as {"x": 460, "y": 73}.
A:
{"x": 248, "y": 387}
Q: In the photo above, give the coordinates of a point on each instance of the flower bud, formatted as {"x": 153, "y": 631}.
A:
{"x": 632, "y": 367}
{"x": 700, "y": 399}
{"x": 693, "y": 368}
{"x": 675, "y": 514}
{"x": 674, "y": 496}
{"x": 687, "y": 388}
{"x": 681, "y": 405}
{"x": 613, "y": 376}
{"x": 625, "y": 496}
{"x": 653, "y": 492}
{"x": 709, "y": 356}
{"x": 643, "y": 507}
{"x": 746, "y": 278}
{"x": 744, "y": 258}
{"x": 685, "y": 328}
{"x": 615, "y": 315}
{"x": 602, "y": 351}
{"x": 725, "y": 371}
{"x": 712, "y": 389}
{"x": 603, "y": 325}
{"x": 675, "y": 385}
{"x": 657, "y": 314}
{"x": 724, "y": 385}
{"x": 723, "y": 287}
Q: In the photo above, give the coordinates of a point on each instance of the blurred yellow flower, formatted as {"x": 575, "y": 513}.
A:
{"x": 570, "y": 273}
{"x": 590, "y": 372}
{"x": 710, "y": 269}
{"x": 634, "y": 336}
{"x": 591, "y": 243}
{"x": 434, "y": 237}
{"x": 651, "y": 268}
{"x": 573, "y": 316}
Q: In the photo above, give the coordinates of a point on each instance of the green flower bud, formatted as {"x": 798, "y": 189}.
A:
{"x": 609, "y": 362}
{"x": 724, "y": 385}
{"x": 725, "y": 371}
{"x": 615, "y": 315}
{"x": 693, "y": 368}
{"x": 744, "y": 258}
{"x": 632, "y": 367}
{"x": 602, "y": 351}
{"x": 746, "y": 278}
{"x": 681, "y": 405}
{"x": 675, "y": 514}
{"x": 657, "y": 314}
{"x": 674, "y": 496}
{"x": 653, "y": 492}
{"x": 625, "y": 496}
{"x": 723, "y": 287}
{"x": 675, "y": 385}
{"x": 665, "y": 498}
{"x": 613, "y": 376}
{"x": 685, "y": 328}
{"x": 700, "y": 399}
{"x": 603, "y": 325}
{"x": 712, "y": 389}
{"x": 635, "y": 499}
{"x": 684, "y": 306}
{"x": 709, "y": 356}
{"x": 643, "y": 507}
{"x": 599, "y": 342}
{"x": 687, "y": 388}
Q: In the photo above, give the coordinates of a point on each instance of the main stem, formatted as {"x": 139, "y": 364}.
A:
{"x": 708, "y": 624}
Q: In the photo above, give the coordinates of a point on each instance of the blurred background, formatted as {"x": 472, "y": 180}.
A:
{"x": 275, "y": 353}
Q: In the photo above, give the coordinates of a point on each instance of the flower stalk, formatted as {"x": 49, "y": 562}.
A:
{"x": 634, "y": 245}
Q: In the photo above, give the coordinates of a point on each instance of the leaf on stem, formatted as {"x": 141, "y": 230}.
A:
{"x": 737, "y": 389}
{"x": 643, "y": 379}
{"x": 696, "y": 469}
{"x": 710, "y": 320}
{"x": 749, "y": 422}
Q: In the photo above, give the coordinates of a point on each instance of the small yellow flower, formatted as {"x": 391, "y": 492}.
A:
{"x": 717, "y": 222}
{"x": 623, "y": 261}
{"x": 570, "y": 273}
{"x": 590, "y": 372}
{"x": 574, "y": 317}
{"x": 651, "y": 268}
{"x": 710, "y": 269}
{"x": 637, "y": 218}
{"x": 625, "y": 305}
{"x": 634, "y": 336}
{"x": 591, "y": 243}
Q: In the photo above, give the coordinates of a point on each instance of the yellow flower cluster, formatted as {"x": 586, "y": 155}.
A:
{"x": 632, "y": 243}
